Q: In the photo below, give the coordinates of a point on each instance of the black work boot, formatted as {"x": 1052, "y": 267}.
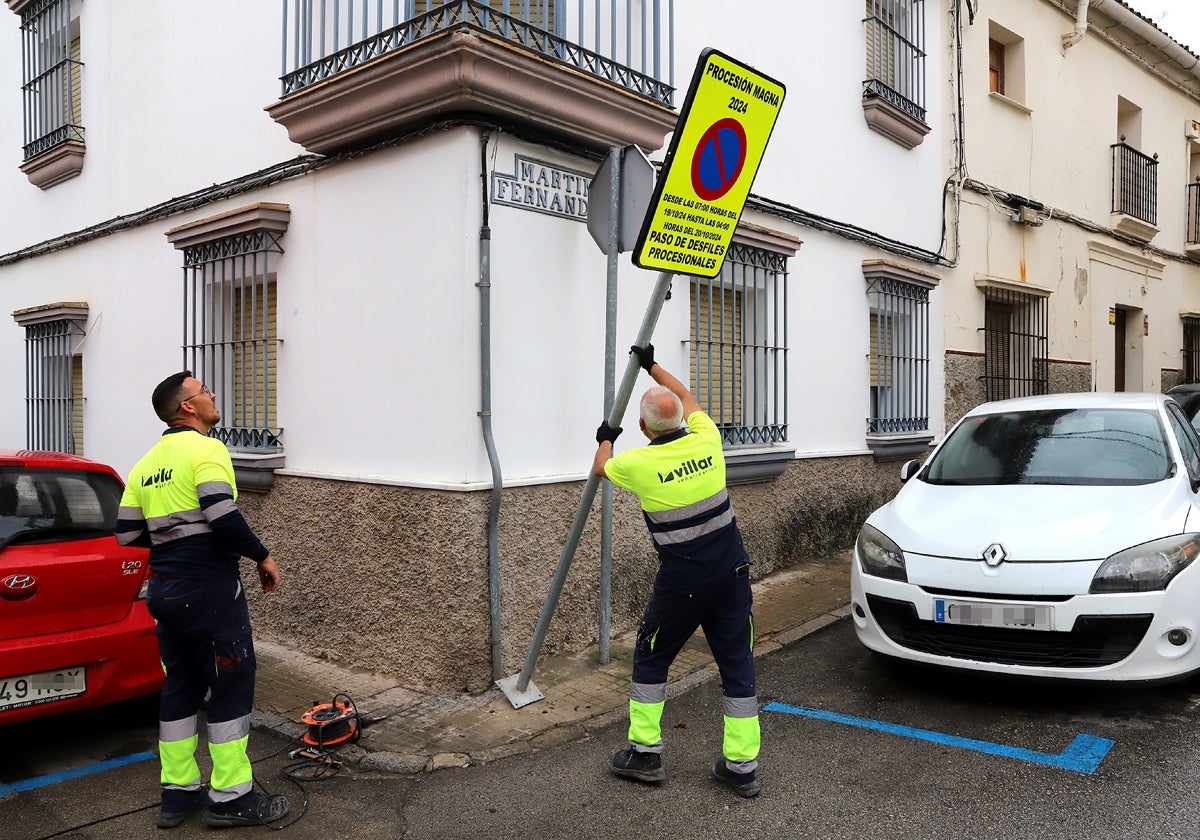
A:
{"x": 252, "y": 809}
{"x": 643, "y": 766}
{"x": 743, "y": 784}
{"x": 177, "y": 805}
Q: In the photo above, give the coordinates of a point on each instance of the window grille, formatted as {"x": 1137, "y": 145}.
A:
{"x": 52, "y": 76}
{"x": 895, "y": 40}
{"x": 230, "y": 338}
{"x": 1191, "y": 350}
{"x": 1015, "y": 344}
{"x": 899, "y": 361}
{"x": 1135, "y": 184}
{"x": 739, "y": 346}
{"x": 54, "y": 386}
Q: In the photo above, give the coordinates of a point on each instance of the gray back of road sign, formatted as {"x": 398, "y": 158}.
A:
{"x": 637, "y": 184}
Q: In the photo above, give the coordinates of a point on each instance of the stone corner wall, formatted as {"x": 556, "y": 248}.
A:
{"x": 395, "y": 580}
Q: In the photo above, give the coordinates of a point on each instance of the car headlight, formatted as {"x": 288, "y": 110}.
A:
{"x": 1146, "y": 567}
{"x": 880, "y": 556}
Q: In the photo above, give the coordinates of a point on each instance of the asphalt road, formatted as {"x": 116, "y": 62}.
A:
{"x": 853, "y": 746}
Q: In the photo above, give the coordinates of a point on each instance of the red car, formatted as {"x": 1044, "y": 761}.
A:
{"x": 74, "y": 629}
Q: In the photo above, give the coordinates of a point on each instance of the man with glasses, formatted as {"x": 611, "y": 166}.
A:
{"x": 181, "y": 501}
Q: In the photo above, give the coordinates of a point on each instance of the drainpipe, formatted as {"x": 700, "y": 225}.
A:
{"x": 1076, "y": 35}
{"x": 1144, "y": 29}
{"x": 485, "y": 414}
{"x": 1156, "y": 37}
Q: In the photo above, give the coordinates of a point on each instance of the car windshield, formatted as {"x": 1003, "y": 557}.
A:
{"x": 1098, "y": 446}
{"x": 56, "y": 505}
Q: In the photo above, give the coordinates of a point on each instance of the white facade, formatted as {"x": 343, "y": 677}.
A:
{"x": 379, "y": 309}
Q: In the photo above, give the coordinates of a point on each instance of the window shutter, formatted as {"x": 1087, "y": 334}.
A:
{"x": 881, "y": 43}
{"x": 77, "y": 404}
{"x": 874, "y": 352}
{"x": 717, "y": 323}
{"x": 255, "y": 351}
{"x": 996, "y": 66}
{"x": 997, "y": 327}
{"x": 75, "y": 75}
{"x": 539, "y": 13}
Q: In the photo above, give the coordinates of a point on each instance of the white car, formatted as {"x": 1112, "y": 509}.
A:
{"x": 1047, "y": 536}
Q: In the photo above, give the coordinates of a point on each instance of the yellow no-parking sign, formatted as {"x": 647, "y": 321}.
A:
{"x": 723, "y": 129}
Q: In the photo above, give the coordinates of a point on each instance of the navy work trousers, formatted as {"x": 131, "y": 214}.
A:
{"x": 722, "y": 610}
{"x": 204, "y": 640}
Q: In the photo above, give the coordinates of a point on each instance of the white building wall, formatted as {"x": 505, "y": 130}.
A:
{"x": 379, "y": 316}
{"x": 378, "y": 310}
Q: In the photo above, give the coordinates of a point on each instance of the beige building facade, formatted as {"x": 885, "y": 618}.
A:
{"x": 1075, "y": 158}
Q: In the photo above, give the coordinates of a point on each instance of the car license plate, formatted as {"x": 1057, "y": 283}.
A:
{"x": 43, "y": 687}
{"x": 1022, "y": 616}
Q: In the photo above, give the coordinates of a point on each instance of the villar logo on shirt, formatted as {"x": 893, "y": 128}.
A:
{"x": 687, "y": 468}
{"x": 158, "y": 478}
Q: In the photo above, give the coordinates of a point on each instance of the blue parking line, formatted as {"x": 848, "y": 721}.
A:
{"x": 1082, "y": 755}
{"x": 74, "y": 773}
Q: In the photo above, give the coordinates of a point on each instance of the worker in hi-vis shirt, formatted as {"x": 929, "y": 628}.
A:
{"x": 181, "y": 501}
{"x": 703, "y": 577}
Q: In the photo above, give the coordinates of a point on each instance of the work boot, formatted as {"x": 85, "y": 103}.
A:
{"x": 743, "y": 784}
{"x": 177, "y": 805}
{"x": 251, "y": 809}
{"x": 643, "y": 766}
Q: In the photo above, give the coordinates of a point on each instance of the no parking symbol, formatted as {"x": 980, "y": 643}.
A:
{"x": 719, "y": 159}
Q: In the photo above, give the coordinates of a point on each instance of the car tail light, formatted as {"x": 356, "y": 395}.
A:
{"x": 145, "y": 588}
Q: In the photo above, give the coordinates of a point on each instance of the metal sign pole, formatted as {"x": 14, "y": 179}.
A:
{"x": 610, "y": 375}
{"x": 518, "y": 688}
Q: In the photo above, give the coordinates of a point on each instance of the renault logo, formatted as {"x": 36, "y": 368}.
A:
{"x": 994, "y": 555}
{"x": 17, "y": 587}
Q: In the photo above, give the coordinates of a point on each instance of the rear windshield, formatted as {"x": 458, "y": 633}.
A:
{"x": 1062, "y": 446}
{"x": 45, "y": 505}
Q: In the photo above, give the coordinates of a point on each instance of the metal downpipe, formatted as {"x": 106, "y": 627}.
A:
{"x": 485, "y": 417}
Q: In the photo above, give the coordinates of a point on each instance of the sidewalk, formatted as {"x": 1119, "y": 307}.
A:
{"x": 421, "y": 732}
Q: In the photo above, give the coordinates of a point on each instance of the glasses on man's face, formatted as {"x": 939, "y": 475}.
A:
{"x": 203, "y": 391}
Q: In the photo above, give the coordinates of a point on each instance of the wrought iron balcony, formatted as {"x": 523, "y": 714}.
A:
{"x": 1135, "y": 192}
{"x": 590, "y": 71}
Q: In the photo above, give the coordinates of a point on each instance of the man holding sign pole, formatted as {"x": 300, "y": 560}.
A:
{"x": 703, "y": 578}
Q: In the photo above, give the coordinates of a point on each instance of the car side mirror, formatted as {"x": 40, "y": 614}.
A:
{"x": 909, "y": 469}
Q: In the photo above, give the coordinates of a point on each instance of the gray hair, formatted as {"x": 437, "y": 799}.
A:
{"x": 661, "y": 410}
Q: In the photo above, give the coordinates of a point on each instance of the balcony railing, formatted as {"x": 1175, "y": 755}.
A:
{"x": 1192, "y": 230}
{"x": 1135, "y": 184}
{"x": 627, "y": 42}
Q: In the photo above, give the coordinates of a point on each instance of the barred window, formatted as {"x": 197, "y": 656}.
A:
{"x": 1191, "y": 349}
{"x": 739, "y": 346}
{"x": 229, "y": 315}
{"x": 53, "y": 75}
{"x": 1015, "y": 344}
{"x": 54, "y": 376}
{"x": 899, "y": 356}
{"x": 895, "y": 41}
